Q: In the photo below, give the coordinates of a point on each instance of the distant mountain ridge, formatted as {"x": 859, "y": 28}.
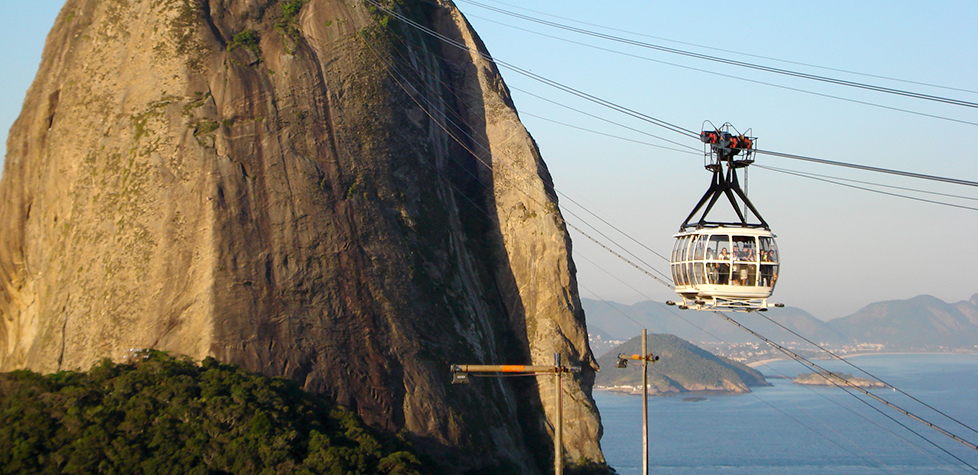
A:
{"x": 922, "y": 323}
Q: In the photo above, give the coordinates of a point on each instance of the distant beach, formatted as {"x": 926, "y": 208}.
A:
{"x": 755, "y": 364}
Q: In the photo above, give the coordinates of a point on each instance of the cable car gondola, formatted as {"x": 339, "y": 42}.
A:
{"x": 725, "y": 265}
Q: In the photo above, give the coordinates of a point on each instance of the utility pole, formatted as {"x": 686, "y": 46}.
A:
{"x": 559, "y": 418}
{"x": 623, "y": 363}
{"x": 460, "y": 375}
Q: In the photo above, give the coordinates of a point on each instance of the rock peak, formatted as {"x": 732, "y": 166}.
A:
{"x": 308, "y": 188}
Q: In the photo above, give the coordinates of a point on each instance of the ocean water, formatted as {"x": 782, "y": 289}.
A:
{"x": 793, "y": 429}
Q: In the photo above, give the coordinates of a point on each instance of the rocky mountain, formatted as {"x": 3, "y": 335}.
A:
{"x": 313, "y": 189}
{"x": 682, "y": 367}
{"x": 969, "y": 308}
{"x": 705, "y": 326}
{"x": 921, "y": 323}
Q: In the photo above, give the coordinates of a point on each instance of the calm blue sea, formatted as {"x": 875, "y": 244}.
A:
{"x": 792, "y": 429}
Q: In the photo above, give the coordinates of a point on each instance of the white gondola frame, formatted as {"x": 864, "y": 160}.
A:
{"x": 707, "y": 281}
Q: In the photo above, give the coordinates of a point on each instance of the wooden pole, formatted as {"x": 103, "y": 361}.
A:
{"x": 559, "y": 424}
{"x": 645, "y": 404}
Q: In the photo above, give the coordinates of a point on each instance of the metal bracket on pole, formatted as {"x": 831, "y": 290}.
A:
{"x": 645, "y": 358}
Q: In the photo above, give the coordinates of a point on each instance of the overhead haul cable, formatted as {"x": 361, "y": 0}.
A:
{"x": 740, "y": 53}
{"x": 691, "y": 148}
{"x": 618, "y": 137}
{"x": 825, "y": 180}
{"x": 644, "y": 117}
{"x": 890, "y": 171}
{"x": 831, "y": 376}
{"x": 464, "y": 196}
{"x": 795, "y": 356}
{"x": 717, "y": 59}
{"x": 593, "y": 116}
{"x": 871, "y": 183}
{"x": 739, "y": 78}
{"x": 833, "y": 355}
{"x": 537, "y": 77}
{"x": 623, "y": 258}
{"x": 516, "y": 173}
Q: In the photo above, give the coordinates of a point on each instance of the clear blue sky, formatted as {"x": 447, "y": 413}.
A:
{"x": 841, "y": 248}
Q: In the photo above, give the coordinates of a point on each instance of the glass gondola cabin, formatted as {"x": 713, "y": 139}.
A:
{"x": 725, "y": 268}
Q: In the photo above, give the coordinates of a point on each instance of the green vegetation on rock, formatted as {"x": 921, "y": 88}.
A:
{"x": 290, "y": 8}
{"x": 161, "y": 414}
{"x": 247, "y": 39}
{"x": 288, "y": 25}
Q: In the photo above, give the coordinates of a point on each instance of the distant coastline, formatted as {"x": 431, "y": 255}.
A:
{"x": 653, "y": 392}
{"x": 755, "y": 364}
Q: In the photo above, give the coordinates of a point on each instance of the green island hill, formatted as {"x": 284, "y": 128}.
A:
{"x": 682, "y": 368}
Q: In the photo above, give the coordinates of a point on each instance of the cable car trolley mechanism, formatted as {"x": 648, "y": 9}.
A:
{"x": 725, "y": 265}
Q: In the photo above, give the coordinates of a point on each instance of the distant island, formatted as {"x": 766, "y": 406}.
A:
{"x": 836, "y": 379}
{"x": 684, "y": 369}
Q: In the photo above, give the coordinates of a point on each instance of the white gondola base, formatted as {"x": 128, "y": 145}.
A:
{"x": 724, "y": 304}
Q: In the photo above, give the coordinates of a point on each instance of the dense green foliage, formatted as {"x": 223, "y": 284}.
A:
{"x": 290, "y": 9}
{"x": 165, "y": 415}
{"x": 247, "y": 39}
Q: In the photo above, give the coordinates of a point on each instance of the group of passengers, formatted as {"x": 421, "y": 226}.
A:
{"x": 743, "y": 274}
{"x": 741, "y": 254}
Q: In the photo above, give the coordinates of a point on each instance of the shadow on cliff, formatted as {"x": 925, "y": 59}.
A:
{"x": 359, "y": 252}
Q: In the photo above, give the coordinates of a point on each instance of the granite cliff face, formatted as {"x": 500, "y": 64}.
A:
{"x": 311, "y": 189}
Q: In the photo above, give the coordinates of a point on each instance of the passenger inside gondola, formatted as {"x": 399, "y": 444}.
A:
{"x": 769, "y": 274}
{"x": 723, "y": 273}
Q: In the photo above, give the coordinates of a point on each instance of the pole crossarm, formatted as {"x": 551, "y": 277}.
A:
{"x": 483, "y": 368}
{"x": 645, "y": 359}
{"x": 649, "y": 357}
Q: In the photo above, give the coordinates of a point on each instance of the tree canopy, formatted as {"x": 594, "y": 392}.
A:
{"x": 164, "y": 415}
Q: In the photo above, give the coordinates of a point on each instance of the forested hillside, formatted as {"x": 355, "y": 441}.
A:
{"x": 166, "y": 415}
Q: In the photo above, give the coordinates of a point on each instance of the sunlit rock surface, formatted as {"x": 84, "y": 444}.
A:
{"x": 320, "y": 193}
